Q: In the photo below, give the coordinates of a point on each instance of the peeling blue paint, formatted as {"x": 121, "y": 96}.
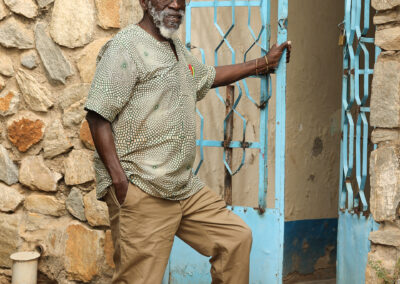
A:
{"x": 306, "y": 241}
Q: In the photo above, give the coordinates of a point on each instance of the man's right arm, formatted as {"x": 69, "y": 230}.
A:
{"x": 105, "y": 146}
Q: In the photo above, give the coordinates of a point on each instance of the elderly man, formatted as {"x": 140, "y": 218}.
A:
{"x": 141, "y": 112}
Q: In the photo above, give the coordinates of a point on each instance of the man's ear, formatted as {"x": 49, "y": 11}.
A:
{"x": 143, "y": 4}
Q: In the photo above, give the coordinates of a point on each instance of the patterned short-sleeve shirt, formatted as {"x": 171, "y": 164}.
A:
{"x": 150, "y": 98}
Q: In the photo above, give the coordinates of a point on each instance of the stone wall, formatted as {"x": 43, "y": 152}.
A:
{"x": 384, "y": 258}
{"x": 47, "y": 60}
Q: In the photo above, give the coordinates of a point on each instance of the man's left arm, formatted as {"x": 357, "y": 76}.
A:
{"x": 229, "y": 74}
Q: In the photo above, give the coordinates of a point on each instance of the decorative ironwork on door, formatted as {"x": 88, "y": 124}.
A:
{"x": 187, "y": 266}
{"x": 355, "y": 222}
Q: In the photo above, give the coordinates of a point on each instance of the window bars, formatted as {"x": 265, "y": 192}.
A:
{"x": 355, "y": 104}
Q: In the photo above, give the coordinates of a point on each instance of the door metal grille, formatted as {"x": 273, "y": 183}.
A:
{"x": 355, "y": 222}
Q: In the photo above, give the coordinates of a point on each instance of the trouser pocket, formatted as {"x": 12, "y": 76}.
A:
{"x": 114, "y": 196}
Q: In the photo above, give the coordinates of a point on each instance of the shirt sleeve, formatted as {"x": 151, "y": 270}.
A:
{"x": 113, "y": 82}
{"x": 203, "y": 75}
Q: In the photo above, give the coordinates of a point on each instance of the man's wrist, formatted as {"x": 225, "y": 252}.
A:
{"x": 261, "y": 65}
{"x": 118, "y": 177}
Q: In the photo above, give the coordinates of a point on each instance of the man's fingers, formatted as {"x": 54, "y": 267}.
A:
{"x": 286, "y": 44}
{"x": 283, "y": 45}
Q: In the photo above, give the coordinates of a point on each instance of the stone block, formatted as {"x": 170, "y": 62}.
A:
{"x": 385, "y": 135}
{"x": 9, "y": 101}
{"x": 381, "y": 259}
{"x": 44, "y": 3}
{"x": 45, "y": 204}
{"x": 384, "y": 4}
{"x": 36, "y": 96}
{"x": 26, "y": 8}
{"x": 13, "y": 33}
{"x": 385, "y": 183}
{"x": 50, "y": 233}
{"x": 79, "y": 167}
{"x": 33, "y": 222}
{"x": 108, "y": 13}
{"x": 8, "y": 170}
{"x": 86, "y": 136}
{"x": 96, "y": 211}
{"x": 72, "y": 22}
{"x": 81, "y": 252}
{"x": 6, "y": 65}
{"x": 74, "y": 115}
{"x": 55, "y": 141}
{"x": 3, "y": 10}
{"x": 25, "y": 131}
{"x": 73, "y": 94}
{"x": 131, "y": 12}
{"x": 386, "y": 237}
{"x": 57, "y": 66}
{"x": 87, "y": 62}
{"x": 388, "y": 38}
{"x": 72, "y": 101}
{"x": 10, "y": 198}
{"x": 385, "y": 97}
{"x": 36, "y": 175}
{"x": 29, "y": 59}
{"x": 9, "y": 237}
{"x": 389, "y": 16}
{"x": 75, "y": 205}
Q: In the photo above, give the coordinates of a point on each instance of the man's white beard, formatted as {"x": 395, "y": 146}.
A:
{"x": 166, "y": 32}
{"x": 158, "y": 18}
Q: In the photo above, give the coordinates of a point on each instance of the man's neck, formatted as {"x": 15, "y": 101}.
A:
{"x": 148, "y": 25}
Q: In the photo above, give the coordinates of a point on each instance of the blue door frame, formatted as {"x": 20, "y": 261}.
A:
{"x": 355, "y": 223}
{"x": 185, "y": 264}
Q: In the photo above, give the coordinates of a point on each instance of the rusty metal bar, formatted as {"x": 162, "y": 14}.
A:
{"x": 230, "y": 99}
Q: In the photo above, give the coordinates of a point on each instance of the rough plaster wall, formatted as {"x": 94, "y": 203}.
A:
{"x": 313, "y": 109}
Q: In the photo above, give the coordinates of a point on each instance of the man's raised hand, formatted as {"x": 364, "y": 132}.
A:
{"x": 275, "y": 54}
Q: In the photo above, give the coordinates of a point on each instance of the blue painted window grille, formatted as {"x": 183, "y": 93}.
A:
{"x": 355, "y": 222}
{"x": 355, "y": 143}
{"x": 261, "y": 40}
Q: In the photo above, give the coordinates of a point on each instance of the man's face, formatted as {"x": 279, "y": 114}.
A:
{"x": 167, "y": 15}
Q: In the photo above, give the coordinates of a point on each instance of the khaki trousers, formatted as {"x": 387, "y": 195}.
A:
{"x": 143, "y": 230}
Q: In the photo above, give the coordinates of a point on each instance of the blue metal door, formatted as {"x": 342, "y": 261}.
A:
{"x": 186, "y": 265}
{"x": 355, "y": 221}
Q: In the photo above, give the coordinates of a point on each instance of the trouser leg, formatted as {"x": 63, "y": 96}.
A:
{"x": 143, "y": 230}
{"x": 213, "y": 230}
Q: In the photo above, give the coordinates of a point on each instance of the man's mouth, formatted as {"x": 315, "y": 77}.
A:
{"x": 173, "y": 18}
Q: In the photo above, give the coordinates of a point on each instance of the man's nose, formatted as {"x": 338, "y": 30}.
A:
{"x": 177, "y": 4}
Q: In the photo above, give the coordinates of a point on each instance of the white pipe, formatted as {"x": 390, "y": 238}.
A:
{"x": 24, "y": 268}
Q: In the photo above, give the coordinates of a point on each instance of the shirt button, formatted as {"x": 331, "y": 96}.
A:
{"x": 155, "y": 107}
{"x": 131, "y": 176}
{"x": 188, "y": 167}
